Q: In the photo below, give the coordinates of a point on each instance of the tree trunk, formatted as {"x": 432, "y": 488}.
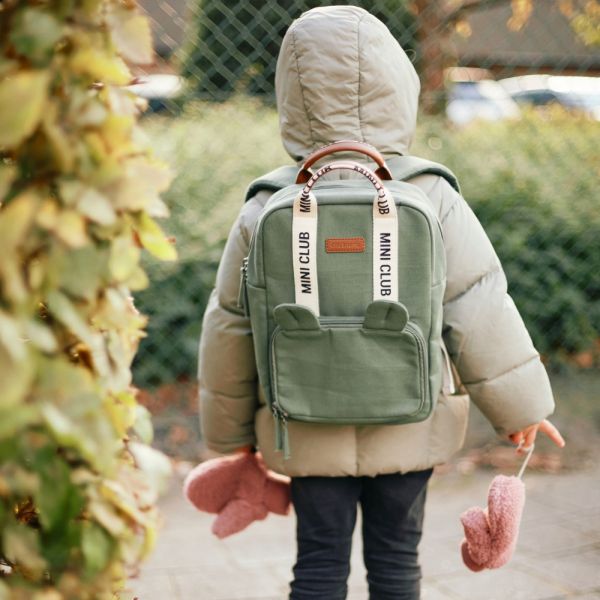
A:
{"x": 435, "y": 55}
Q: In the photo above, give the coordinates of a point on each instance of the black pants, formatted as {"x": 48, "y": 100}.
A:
{"x": 392, "y": 512}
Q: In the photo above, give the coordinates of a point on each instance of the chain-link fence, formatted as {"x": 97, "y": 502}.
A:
{"x": 510, "y": 101}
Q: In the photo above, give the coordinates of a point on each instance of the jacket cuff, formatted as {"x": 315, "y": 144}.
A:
{"x": 516, "y": 399}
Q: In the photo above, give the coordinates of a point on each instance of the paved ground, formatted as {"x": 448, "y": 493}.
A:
{"x": 557, "y": 556}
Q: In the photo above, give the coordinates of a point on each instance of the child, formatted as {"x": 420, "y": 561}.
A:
{"x": 341, "y": 75}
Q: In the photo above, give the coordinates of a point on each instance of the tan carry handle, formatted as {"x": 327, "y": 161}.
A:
{"x": 382, "y": 172}
{"x": 348, "y": 165}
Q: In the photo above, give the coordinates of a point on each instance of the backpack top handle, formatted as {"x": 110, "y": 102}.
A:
{"x": 305, "y": 238}
{"x": 383, "y": 172}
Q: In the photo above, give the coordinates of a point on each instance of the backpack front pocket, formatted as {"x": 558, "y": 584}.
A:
{"x": 348, "y": 370}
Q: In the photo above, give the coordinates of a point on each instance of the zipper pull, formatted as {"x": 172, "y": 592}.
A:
{"x": 286, "y": 439}
{"x": 242, "y": 301}
{"x": 282, "y": 440}
{"x": 278, "y": 430}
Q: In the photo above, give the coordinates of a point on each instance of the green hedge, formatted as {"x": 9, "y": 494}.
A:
{"x": 233, "y": 46}
{"x": 532, "y": 183}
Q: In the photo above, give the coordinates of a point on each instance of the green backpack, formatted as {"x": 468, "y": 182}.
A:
{"x": 343, "y": 285}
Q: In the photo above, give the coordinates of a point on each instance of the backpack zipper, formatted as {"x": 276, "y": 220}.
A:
{"x": 242, "y": 300}
{"x": 282, "y": 439}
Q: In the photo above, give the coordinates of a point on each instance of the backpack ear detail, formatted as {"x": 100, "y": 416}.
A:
{"x": 383, "y": 314}
{"x": 294, "y": 317}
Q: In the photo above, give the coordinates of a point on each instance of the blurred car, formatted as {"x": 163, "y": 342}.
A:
{"x": 581, "y": 94}
{"x": 484, "y": 99}
{"x": 159, "y": 89}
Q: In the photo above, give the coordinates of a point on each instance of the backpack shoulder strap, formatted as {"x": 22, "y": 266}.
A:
{"x": 406, "y": 167}
{"x": 273, "y": 181}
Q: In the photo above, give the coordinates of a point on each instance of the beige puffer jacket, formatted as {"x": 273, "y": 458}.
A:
{"x": 341, "y": 75}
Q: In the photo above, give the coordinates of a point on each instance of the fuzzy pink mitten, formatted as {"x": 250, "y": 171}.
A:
{"x": 239, "y": 489}
{"x": 491, "y": 534}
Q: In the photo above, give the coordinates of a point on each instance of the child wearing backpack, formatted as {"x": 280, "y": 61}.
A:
{"x": 342, "y": 76}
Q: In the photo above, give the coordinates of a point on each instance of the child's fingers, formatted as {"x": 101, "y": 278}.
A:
{"x": 526, "y": 441}
{"x": 516, "y": 437}
{"x": 529, "y": 438}
{"x": 552, "y": 433}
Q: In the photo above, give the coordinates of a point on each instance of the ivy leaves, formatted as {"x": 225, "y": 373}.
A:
{"x": 79, "y": 199}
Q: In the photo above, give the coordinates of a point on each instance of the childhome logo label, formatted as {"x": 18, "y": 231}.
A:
{"x": 304, "y": 233}
{"x": 385, "y": 251}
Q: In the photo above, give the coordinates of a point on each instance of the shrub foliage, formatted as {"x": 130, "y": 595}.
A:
{"x": 233, "y": 46}
{"x": 79, "y": 197}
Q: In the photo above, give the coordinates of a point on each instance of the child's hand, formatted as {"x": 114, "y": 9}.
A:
{"x": 526, "y": 437}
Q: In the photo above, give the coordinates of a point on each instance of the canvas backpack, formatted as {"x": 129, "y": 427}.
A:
{"x": 343, "y": 284}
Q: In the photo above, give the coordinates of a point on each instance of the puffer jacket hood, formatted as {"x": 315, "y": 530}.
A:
{"x": 342, "y": 75}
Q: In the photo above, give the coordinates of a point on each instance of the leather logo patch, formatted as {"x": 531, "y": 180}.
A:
{"x": 351, "y": 244}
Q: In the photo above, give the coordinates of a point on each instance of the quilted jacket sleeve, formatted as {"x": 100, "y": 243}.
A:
{"x": 226, "y": 366}
{"x": 483, "y": 330}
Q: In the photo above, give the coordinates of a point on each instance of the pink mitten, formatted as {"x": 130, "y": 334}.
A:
{"x": 239, "y": 489}
{"x": 277, "y": 494}
{"x": 491, "y": 534}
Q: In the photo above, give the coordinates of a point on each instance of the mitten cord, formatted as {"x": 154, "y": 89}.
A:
{"x": 526, "y": 460}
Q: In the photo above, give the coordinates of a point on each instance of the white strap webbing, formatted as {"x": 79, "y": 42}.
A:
{"x": 385, "y": 249}
{"x": 304, "y": 234}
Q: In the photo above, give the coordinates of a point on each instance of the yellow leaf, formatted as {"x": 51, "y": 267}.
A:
{"x": 107, "y": 516}
{"x": 70, "y": 228}
{"x": 154, "y": 240}
{"x": 97, "y": 207}
{"x": 149, "y": 541}
{"x": 122, "y": 498}
{"x": 116, "y": 132}
{"x": 40, "y": 336}
{"x": 15, "y": 219}
{"x": 60, "y": 144}
{"x": 12, "y": 274}
{"x": 22, "y": 101}
{"x": 100, "y": 66}
{"x": 144, "y": 180}
{"x": 47, "y": 215}
{"x": 22, "y": 546}
{"x": 11, "y": 337}
{"x": 131, "y": 34}
{"x": 65, "y": 311}
{"x": 138, "y": 280}
{"x": 121, "y": 414}
{"x": 124, "y": 258}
